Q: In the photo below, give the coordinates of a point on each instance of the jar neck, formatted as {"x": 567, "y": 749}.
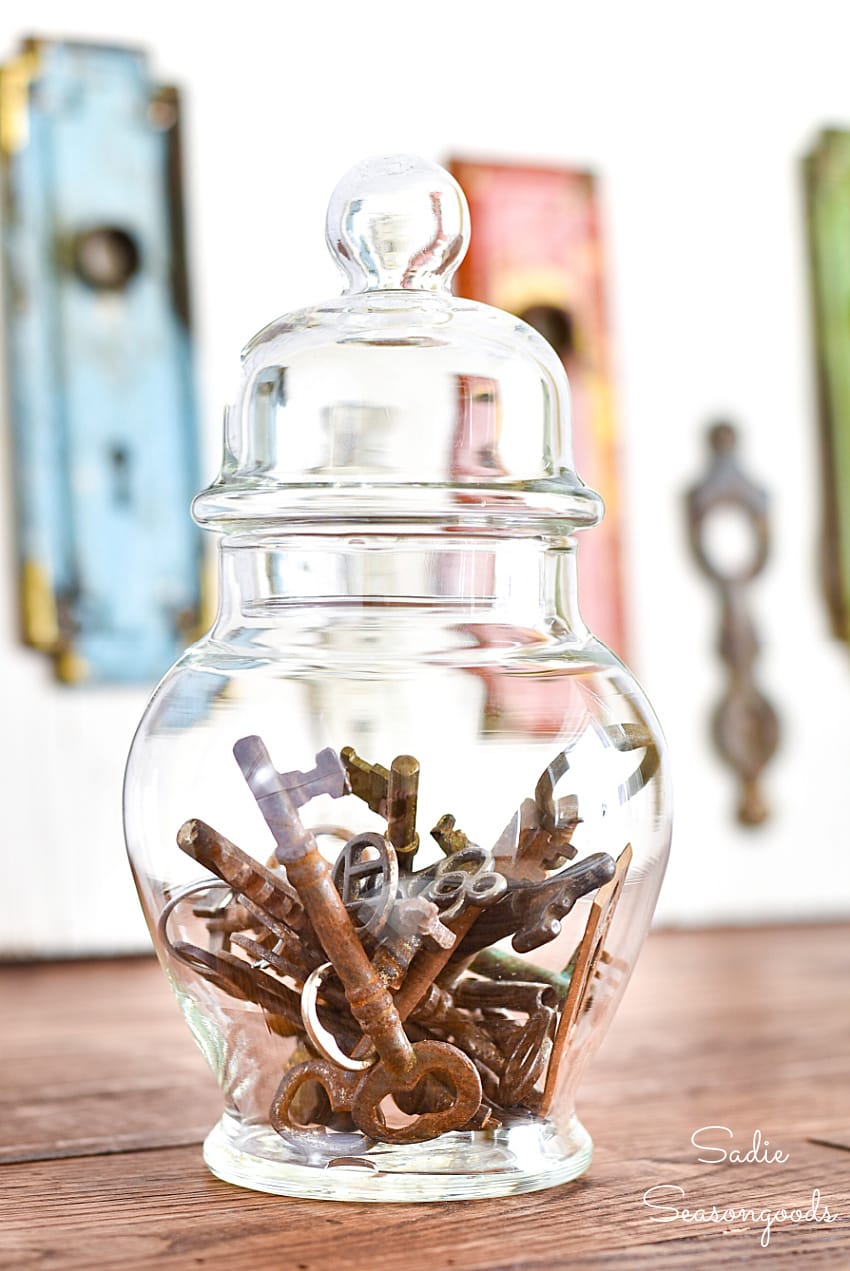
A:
{"x": 523, "y": 582}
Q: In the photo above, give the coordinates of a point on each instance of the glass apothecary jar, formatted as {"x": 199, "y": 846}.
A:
{"x": 398, "y": 821}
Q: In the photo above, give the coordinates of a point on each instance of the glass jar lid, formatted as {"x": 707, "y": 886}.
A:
{"x": 398, "y": 402}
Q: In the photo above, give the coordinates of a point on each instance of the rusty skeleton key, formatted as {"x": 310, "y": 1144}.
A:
{"x": 269, "y": 891}
{"x": 401, "y": 1064}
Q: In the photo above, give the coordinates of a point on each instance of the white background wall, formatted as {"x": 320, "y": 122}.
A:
{"x": 696, "y": 116}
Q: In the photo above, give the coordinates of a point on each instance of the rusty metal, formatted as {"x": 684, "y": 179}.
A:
{"x": 223, "y": 916}
{"x": 235, "y": 867}
{"x": 745, "y": 727}
{"x": 401, "y": 1064}
{"x": 442, "y": 1060}
{"x": 538, "y": 908}
{"x": 586, "y": 960}
{"x": 528, "y": 850}
{"x": 528, "y": 996}
{"x": 428, "y": 964}
{"x": 338, "y": 1084}
{"x": 555, "y": 814}
{"x": 439, "y": 1010}
{"x": 531, "y": 913}
{"x": 295, "y": 968}
{"x": 236, "y": 978}
{"x": 528, "y": 1059}
{"x": 310, "y": 875}
{"x": 411, "y": 1003}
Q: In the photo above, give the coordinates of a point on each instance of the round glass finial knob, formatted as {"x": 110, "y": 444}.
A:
{"x": 398, "y": 222}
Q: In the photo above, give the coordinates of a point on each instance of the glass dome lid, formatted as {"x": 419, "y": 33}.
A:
{"x": 398, "y": 402}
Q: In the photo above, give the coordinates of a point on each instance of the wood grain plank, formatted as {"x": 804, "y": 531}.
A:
{"x": 162, "y": 1208}
{"x": 96, "y": 1058}
{"x": 744, "y": 1029}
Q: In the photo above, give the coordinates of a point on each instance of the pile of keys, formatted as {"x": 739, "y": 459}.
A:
{"x": 391, "y": 977}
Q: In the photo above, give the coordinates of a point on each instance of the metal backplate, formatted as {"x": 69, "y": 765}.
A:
{"x": 100, "y": 386}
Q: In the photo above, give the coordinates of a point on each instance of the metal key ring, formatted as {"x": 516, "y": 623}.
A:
{"x": 324, "y": 1041}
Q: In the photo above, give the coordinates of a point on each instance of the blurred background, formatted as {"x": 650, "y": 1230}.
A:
{"x": 696, "y": 120}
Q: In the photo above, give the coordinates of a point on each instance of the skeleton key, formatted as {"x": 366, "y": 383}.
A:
{"x": 392, "y": 793}
{"x": 235, "y": 867}
{"x": 539, "y": 907}
{"x": 531, "y": 912}
{"x": 401, "y": 1065}
{"x": 310, "y": 874}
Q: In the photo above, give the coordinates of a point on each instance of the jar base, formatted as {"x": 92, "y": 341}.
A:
{"x": 525, "y": 1155}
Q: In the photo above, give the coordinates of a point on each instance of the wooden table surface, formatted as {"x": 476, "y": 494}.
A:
{"x": 104, "y": 1100}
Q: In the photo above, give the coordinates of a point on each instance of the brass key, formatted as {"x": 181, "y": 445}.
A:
{"x": 392, "y": 793}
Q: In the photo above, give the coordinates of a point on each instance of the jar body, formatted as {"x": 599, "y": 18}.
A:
{"x": 467, "y": 653}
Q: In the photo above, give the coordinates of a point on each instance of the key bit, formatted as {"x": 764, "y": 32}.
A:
{"x": 448, "y": 837}
{"x": 528, "y": 849}
{"x": 540, "y": 907}
{"x": 369, "y": 781}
